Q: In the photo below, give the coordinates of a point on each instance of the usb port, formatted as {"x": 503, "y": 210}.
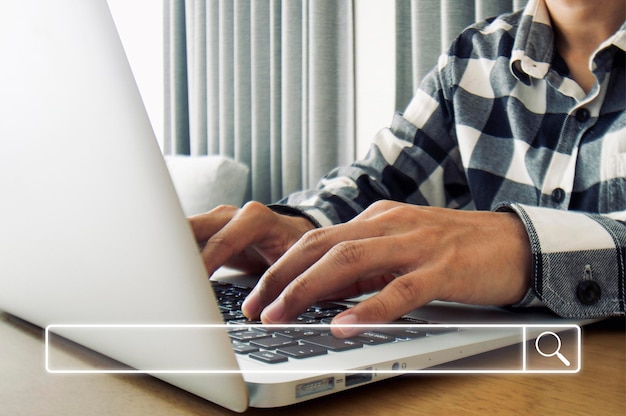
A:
{"x": 358, "y": 378}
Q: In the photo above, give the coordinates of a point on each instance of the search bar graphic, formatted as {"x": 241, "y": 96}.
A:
{"x": 557, "y": 350}
{"x": 552, "y": 349}
{"x": 417, "y": 348}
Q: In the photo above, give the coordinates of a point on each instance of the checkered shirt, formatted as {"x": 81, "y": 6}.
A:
{"x": 499, "y": 125}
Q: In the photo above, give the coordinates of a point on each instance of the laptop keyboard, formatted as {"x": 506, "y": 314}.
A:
{"x": 278, "y": 345}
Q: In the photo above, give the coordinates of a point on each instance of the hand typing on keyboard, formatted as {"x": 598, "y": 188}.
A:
{"x": 309, "y": 335}
{"x": 411, "y": 254}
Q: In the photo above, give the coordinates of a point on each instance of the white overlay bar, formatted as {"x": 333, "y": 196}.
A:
{"x": 544, "y": 348}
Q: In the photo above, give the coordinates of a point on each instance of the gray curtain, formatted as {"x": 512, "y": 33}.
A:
{"x": 270, "y": 83}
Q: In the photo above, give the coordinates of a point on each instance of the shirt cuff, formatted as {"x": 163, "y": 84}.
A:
{"x": 293, "y": 212}
{"x": 578, "y": 261}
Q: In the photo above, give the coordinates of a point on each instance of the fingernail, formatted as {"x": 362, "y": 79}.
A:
{"x": 251, "y": 307}
{"x": 274, "y": 312}
{"x": 345, "y": 332}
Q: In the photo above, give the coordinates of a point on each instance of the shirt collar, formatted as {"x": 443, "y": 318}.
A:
{"x": 618, "y": 39}
{"x": 534, "y": 43}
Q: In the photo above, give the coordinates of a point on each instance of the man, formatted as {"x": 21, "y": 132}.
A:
{"x": 503, "y": 183}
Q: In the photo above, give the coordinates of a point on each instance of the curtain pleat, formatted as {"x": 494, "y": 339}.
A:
{"x": 276, "y": 99}
{"x": 226, "y": 54}
{"x": 331, "y": 86}
{"x": 261, "y": 98}
{"x": 418, "y": 44}
{"x": 455, "y": 15}
{"x": 270, "y": 83}
{"x": 197, "y": 81}
{"x": 176, "y": 117}
{"x": 490, "y": 8}
{"x": 293, "y": 127}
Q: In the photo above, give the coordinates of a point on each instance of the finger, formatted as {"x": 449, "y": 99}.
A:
{"x": 307, "y": 251}
{"x": 383, "y": 206}
{"x": 344, "y": 266}
{"x": 204, "y": 226}
{"x": 361, "y": 287}
{"x": 399, "y": 297}
{"x": 249, "y": 224}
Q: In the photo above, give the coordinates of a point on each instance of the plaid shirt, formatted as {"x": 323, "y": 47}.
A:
{"x": 499, "y": 125}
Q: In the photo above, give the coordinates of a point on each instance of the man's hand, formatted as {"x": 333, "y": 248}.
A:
{"x": 247, "y": 239}
{"x": 412, "y": 254}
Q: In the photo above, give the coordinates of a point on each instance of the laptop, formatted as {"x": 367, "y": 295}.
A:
{"x": 96, "y": 248}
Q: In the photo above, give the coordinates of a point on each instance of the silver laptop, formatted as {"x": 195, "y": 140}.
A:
{"x": 95, "y": 246}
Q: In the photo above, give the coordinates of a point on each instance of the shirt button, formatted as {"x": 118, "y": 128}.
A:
{"x": 588, "y": 292}
{"x": 582, "y": 115}
{"x": 558, "y": 195}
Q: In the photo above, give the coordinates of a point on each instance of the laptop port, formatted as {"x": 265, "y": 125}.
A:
{"x": 358, "y": 378}
{"x": 314, "y": 387}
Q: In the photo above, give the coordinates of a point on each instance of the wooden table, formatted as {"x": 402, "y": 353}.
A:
{"x": 598, "y": 389}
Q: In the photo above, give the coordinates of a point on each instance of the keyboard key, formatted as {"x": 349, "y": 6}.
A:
{"x": 324, "y": 306}
{"x": 303, "y": 320}
{"x": 439, "y": 330}
{"x": 244, "y": 348}
{"x": 233, "y": 315}
{"x": 319, "y": 314}
{"x": 409, "y": 320}
{"x": 375, "y": 338}
{"x": 273, "y": 342}
{"x": 429, "y": 330}
{"x": 332, "y": 343}
{"x": 298, "y": 333}
{"x": 243, "y": 323}
{"x": 268, "y": 357}
{"x": 404, "y": 333}
{"x": 302, "y": 351}
{"x": 248, "y": 335}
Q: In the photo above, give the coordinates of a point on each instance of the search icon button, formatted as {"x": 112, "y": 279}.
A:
{"x": 557, "y": 350}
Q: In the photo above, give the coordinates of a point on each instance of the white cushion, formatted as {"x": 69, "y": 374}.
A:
{"x": 204, "y": 182}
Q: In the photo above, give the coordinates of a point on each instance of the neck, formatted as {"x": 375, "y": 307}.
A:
{"x": 584, "y": 24}
{"x": 580, "y": 26}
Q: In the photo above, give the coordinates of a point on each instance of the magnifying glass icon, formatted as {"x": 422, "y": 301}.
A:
{"x": 557, "y": 350}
